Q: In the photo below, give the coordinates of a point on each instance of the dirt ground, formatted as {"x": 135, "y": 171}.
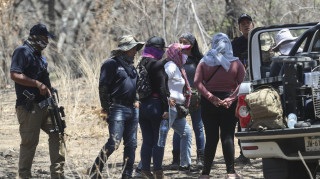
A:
{"x": 86, "y": 135}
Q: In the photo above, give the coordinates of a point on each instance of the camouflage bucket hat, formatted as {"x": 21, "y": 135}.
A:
{"x": 126, "y": 43}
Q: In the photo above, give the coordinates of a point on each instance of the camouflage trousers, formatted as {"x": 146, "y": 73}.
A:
{"x": 30, "y": 124}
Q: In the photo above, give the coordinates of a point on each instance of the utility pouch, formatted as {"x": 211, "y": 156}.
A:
{"x": 182, "y": 111}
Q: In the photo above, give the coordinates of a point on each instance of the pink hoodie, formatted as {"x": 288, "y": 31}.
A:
{"x": 222, "y": 81}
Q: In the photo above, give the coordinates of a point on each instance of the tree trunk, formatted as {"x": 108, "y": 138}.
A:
{"x": 231, "y": 18}
{"x": 51, "y": 12}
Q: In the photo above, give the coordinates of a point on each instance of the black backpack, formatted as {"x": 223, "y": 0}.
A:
{"x": 144, "y": 89}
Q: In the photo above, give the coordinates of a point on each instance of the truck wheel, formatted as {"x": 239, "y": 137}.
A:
{"x": 300, "y": 170}
{"x": 274, "y": 168}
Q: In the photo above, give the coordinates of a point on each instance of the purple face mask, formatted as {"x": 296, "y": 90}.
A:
{"x": 152, "y": 52}
{"x": 184, "y": 58}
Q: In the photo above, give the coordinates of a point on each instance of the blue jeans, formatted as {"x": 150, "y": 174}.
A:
{"x": 149, "y": 119}
{"x": 123, "y": 123}
{"x": 182, "y": 128}
{"x": 198, "y": 132}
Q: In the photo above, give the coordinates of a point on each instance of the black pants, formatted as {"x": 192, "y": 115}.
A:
{"x": 217, "y": 119}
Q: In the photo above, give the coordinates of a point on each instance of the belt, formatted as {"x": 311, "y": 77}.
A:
{"x": 122, "y": 102}
{"x": 155, "y": 95}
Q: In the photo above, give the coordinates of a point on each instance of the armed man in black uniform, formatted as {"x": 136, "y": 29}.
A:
{"x": 29, "y": 72}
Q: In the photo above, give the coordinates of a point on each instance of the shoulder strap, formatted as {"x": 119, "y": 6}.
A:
{"x": 213, "y": 73}
{"x": 143, "y": 61}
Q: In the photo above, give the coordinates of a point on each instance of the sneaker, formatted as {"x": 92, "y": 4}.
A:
{"x": 137, "y": 173}
{"x": 146, "y": 174}
{"x": 242, "y": 160}
{"x": 234, "y": 176}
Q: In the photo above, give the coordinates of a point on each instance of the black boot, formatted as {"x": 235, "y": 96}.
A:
{"x": 200, "y": 158}
{"x": 242, "y": 160}
{"x": 187, "y": 169}
{"x": 176, "y": 160}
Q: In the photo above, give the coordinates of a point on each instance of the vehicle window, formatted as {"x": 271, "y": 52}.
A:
{"x": 316, "y": 42}
{"x": 267, "y": 42}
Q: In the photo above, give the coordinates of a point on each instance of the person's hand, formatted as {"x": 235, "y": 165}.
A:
{"x": 172, "y": 102}
{"x": 136, "y": 105}
{"x": 44, "y": 90}
{"x": 215, "y": 101}
{"x": 226, "y": 103}
{"x": 104, "y": 114}
{"x": 165, "y": 115}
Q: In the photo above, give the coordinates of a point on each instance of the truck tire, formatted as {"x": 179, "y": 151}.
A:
{"x": 274, "y": 168}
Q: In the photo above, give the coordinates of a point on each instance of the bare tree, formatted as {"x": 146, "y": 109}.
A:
{"x": 231, "y": 17}
{"x": 91, "y": 27}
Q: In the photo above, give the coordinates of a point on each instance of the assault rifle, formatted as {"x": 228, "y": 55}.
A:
{"x": 56, "y": 112}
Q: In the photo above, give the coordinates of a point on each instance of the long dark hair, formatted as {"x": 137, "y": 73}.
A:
{"x": 195, "y": 52}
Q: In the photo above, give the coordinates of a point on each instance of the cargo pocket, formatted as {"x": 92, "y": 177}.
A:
{"x": 22, "y": 114}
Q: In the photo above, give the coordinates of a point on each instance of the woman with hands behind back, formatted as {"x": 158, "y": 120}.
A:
{"x": 218, "y": 77}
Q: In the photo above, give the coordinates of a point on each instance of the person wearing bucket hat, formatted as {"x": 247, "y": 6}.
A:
{"x": 240, "y": 50}
{"x": 125, "y": 43}
{"x": 29, "y": 72}
{"x": 117, "y": 91}
{"x": 284, "y": 41}
{"x": 153, "y": 108}
{"x": 180, "y": 94}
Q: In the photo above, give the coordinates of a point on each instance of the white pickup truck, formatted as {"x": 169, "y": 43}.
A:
{"x": 280, "y": 148}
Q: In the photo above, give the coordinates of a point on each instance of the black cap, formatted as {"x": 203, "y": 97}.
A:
{"x": 155, "y": 41}
{"x": 244, "y": 16}
{"x": 40, "y": 29}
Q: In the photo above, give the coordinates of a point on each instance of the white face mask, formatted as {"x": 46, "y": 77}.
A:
{"x": 184, "y": 58}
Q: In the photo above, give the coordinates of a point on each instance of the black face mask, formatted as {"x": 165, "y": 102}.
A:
{"x": 37, "y": 43}
{"x": 128, "y": 58}
{"x": 127, "y": 64}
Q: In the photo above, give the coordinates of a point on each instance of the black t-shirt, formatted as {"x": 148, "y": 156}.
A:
{"x": 190, "y": 68}
{"x": 120, "y": 85}
{"x": 158, "y": 79}
{"x": 240, "y": 49}
{"x": 29, "y": 62}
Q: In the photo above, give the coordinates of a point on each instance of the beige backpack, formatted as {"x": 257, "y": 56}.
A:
{"x": 265, "y": 109}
